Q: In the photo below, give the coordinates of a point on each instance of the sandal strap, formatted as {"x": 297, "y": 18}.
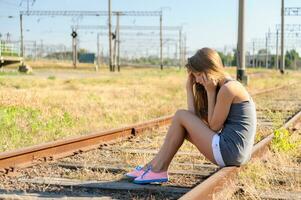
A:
{"x": 149, "y": 167}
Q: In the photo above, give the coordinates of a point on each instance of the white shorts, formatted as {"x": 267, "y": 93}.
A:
{"x": 216, "y": 151}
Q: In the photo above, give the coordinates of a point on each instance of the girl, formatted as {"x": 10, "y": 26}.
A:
{"x": 220, "y": 120}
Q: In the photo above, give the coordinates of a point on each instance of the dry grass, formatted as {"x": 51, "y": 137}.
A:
{"x": 56, "y": 103}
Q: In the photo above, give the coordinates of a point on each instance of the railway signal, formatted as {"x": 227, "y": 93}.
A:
{"x": 74, "y": 47}
{"x": 73, "y": 34}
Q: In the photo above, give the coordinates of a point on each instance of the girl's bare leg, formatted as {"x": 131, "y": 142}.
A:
{"x": 184, "y": 125}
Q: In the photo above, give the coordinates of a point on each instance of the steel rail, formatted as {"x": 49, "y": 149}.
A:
{"x": 216, "y": 182}
{"x": 24, "y": 157}
{"x": 274, "y": 88}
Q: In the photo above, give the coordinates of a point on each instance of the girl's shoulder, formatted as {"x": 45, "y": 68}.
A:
{"x": 233, "y": 84}
{"x": 237, "y": 90}
{"x": 230, "y": 84}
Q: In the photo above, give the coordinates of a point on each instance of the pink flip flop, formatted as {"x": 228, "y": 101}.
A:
{"x": 151, "y": 177}
{"x": 138, "y": 171}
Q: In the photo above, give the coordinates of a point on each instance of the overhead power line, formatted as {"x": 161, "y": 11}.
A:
{"x": 88, "y": 13}
{"x": 126, "y": 27}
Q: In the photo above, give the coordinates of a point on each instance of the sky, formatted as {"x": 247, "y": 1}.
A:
{"x": 211, "y": 23}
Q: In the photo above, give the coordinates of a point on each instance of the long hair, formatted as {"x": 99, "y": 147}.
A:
{"x": 208, "y": 61}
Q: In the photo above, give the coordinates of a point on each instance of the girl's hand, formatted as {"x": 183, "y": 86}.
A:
{"x": 209, "y": 84}
{"x": 190, "y": 81}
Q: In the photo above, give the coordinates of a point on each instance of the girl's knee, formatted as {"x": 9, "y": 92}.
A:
{"x": 180, "y": 113}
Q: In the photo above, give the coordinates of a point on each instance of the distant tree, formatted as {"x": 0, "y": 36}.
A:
{"x": 263, "y": 51}
{"x": 82, "y": 50}
{"x": 291, "y": 57}
{"x": 273, "y": 60}
{"x": 226, "y": 58}
{"x": 229, "y": 58}
{"x": 223, "y": 57}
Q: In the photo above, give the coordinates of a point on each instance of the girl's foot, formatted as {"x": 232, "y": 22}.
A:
{"x": 151, "y": 177}
{"x": 138, "y": 171}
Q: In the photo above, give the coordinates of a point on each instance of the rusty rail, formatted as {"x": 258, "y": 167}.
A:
{"x": 217, "y": 181}
{"x": 274, "y": 88}
{"x": 9, "y": 161}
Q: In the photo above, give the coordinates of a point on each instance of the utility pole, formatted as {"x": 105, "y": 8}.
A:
{"x": 176, "y": 53}
{"x": 254, "y": 57}
{"x": 185, "y": 48}
{"x": 115, "y": 38}
{"x": 35, "y": 50}
{"x": 118, "y": 42}
{"x": 110, "y": 37}
{"x": 8, "y": 35}
{"x": 277, "y": 57}
{"x": 42, "y": 49}
{"x": 161, "y": 43}
{"x": 180, "y": 48}
{"x": 27, "y": 5}
{"x": 282, "y": 63}
{"x": 114, "y": 54}
{"x": 241, "y": 75}
{"x": 21, "y": 33}
{"x": 98, "y": 50}
{"x": 266, "y": 49}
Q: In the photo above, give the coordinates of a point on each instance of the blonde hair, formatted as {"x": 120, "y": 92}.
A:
{"x": 208, "y": 61}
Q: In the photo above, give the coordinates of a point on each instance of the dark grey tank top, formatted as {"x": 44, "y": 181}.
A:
{"x": 238, "y": 134}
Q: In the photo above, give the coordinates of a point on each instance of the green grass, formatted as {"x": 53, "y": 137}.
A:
{"x": 15, "y": 73}
{"x": 9, "y": 53}
{"x": 21, "y": 126}
{"x": 51, "y": 77}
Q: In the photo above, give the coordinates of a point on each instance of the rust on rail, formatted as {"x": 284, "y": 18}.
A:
{"x": 61, "y": 148}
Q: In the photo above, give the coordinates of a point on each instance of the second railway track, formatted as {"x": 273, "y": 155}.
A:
{"x": 99, "y": 172}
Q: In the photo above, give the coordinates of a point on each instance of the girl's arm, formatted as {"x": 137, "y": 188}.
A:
{"x": 218, "y": 105}
{"x": 221, "y": 108}
{"x": 211, "y": 96}
{"x": 189, "y": 89}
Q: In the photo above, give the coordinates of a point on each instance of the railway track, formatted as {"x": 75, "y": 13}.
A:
{"x": 93, "y": 165}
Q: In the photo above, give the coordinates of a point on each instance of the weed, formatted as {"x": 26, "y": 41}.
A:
{"x": 51, "y": 77}
{"x": 282, "y": 142}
